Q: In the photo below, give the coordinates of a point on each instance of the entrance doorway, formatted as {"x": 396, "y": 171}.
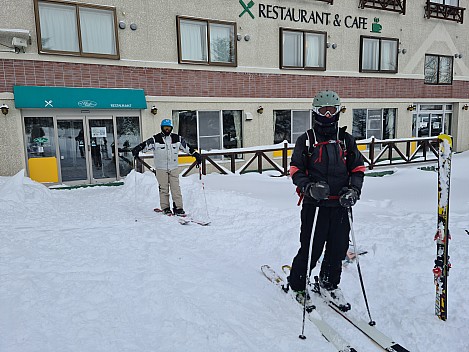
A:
{"x": 86, "y": 149}
{"x": 432, "y": 119}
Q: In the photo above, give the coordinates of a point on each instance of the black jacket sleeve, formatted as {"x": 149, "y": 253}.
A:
{"x": 139, "y": 147}
{"x": 355, "y": 164}
{"x": 298, "y": 167}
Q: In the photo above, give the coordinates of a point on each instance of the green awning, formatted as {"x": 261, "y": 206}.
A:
{"x": 78, "y": 98}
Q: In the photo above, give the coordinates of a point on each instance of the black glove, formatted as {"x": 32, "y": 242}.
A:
{"x": 137, "y": 149}
{"x": 317, "y": 190}
{"x": 348, "y": 197}
{"x": 198, "y": 158}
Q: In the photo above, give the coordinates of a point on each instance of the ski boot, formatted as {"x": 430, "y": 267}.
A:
{"x": 331, "y": 295}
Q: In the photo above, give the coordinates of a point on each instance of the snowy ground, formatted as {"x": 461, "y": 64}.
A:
{"x": 96, "y": 269}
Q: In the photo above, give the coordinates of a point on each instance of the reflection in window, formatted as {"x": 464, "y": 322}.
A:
{"x": 290, "y": 124}
{"x": 216, "y": 130}
{"x": 379, "y": 123}
{"x": 438, "y": 69}
{"x": 40, "y": 140}
{"x": 128, "y": 136}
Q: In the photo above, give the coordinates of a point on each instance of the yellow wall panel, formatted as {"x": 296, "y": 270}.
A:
{"x": 43, "y": 169}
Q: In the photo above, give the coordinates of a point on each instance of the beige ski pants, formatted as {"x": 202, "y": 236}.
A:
{"x": 169, "y": 180}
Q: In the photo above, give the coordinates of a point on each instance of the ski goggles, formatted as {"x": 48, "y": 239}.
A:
{"x": 326, "y": 111}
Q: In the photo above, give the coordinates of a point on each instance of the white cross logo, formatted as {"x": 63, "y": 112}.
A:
{"x": 48, "y": 103}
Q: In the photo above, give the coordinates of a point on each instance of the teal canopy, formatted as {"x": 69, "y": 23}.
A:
{"x": 78, "y": 98}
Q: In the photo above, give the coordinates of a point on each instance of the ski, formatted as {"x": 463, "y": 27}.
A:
{"x": 442, "y": 237}
{"x": 376, "y": 336}
{"x": 184, "y": 219}
{"x": 329, "y": 333}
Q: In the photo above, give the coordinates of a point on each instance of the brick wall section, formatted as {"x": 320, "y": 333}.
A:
{"x": 194, "y": 83}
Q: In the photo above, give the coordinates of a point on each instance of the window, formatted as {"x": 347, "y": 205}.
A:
{"x": 290, "y": 124}
{"x": 209, "y": 130}
{"x": 302, "y": 49}
{"x": 40, "y": 140}
{"x": 438, "y": 69}
{"x": 76, "y": 29}
{"x": 378, "y": 54}
{"x": 206, "y": 42}
{"x": 378, "y": 123}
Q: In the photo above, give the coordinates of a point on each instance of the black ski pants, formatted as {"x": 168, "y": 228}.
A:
{"x": 332, "y": 230}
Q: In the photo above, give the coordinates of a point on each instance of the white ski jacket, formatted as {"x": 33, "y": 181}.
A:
{"x": 166, "y": 150}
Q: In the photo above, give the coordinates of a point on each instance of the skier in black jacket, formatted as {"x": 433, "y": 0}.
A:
{"x": 328, "y": 170}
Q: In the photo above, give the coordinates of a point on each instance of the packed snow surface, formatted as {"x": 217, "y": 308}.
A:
{"x": 95, "y": 269}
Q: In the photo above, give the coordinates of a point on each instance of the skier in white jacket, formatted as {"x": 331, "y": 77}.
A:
{"x": 166, "y": 146}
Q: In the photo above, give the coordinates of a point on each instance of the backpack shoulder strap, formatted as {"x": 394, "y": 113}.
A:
{"x": 310, "y": 142}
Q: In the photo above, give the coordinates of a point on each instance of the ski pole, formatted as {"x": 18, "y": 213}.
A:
{"x": 349, "y": 211}
{"x": 308, "y": 272}
{"x": 203, "y": 190}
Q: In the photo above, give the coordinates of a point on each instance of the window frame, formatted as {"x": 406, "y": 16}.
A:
{"x": 379, "y": 70}
{"x": 77, "y": 6}
{"x": 208, "y": 22}
{"x": 221, "y": 126}
{"x": 304, "y": 32}
{"x": 291, "y": 111}
{"x": 438, "y": 70}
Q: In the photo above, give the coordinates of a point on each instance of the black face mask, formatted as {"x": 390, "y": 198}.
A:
{"x": 166, "y": 131}
{"x": 329, "y": 130}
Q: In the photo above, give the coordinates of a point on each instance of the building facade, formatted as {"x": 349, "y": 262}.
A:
{"x": 84, "y": 82}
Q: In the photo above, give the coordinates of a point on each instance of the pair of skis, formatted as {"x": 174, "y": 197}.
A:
{"x": 329, "y": 333}
{"x": 183, "y": 219}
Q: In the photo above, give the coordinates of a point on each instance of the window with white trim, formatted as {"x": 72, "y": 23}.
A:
{"x": 76, "y": 29}
{"x": 302, "y": 49}
{"x": 210, "y": 129}
{"x": 206, "y": 41}
{"x": 378, "y": 54}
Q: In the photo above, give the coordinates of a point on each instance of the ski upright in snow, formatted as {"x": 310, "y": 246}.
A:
{"x": 183, "y": 219}
{"x": 375, "y": 335}
{"x": 442, "y": 237}
{"x": 329, "y": 333}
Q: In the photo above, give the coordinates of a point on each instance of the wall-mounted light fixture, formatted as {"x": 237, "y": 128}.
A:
{"x": 411, "y": 107}
{"x": 465, "y": 107}
{"x": 4, "y": 109}
{"x": 260, "y": 109}
{"x": 343, "y": 109}
{"x": 154, "y": 110}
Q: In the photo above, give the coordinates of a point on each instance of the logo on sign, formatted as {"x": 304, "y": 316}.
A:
{"x": 87, "y": 104}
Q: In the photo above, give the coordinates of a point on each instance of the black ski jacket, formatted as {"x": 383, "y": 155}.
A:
{"x": 337, "y": 162}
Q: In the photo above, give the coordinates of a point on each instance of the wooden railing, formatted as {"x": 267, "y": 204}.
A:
{"x": 389, "y": 5}
{"x": 445, "y": 12}
{"x": 376, "y": 153}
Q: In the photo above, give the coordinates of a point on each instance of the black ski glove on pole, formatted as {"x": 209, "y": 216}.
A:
{"x": 348, "y": 197}
{"x": 137, "y": 149}
{"x": 317, "y": 190}
{"x": 198, "y": 158}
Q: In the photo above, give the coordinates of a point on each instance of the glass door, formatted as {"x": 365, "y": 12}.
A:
{"x": 72, "y": 150}
{"x": 101, "y": 149}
